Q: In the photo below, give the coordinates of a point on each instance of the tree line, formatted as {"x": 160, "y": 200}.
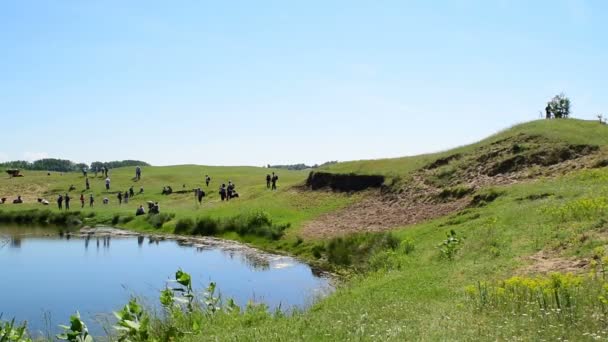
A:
{"x": 63, "y": 165}
{"x": 297, "y": 167}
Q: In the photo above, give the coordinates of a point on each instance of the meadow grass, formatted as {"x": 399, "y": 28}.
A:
{"x": 410, "y": 290}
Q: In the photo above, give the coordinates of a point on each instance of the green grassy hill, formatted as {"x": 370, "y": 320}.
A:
{"x": 545, "y": 212}
{"x": 564, "y": 131}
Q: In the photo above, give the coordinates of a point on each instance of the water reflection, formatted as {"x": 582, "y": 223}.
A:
{"x": 16, "y": 242}
{"x": 107, "y": 279}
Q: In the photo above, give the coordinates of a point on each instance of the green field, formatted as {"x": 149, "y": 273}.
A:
{"x": 549, "y": 223}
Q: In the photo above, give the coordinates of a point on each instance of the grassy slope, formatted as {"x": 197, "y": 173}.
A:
{"x": 416, "y": 296}
{"x": 285, "y": 205}
{"x": 421, "y": 297}
{"x": 570, "y": 131}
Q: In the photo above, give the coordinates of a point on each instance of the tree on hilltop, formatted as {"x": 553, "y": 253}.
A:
{"x": 558, "y": 107}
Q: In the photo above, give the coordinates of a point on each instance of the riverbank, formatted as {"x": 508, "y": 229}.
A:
{"x": 203, "y": 242}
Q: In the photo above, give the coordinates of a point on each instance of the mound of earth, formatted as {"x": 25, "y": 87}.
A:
{"x": 452, "y": 183}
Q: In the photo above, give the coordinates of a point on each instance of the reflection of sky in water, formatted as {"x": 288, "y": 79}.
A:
{"x": 97, "y": 275}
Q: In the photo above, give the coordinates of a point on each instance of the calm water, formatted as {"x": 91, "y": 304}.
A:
{"x": 43, "y": 274}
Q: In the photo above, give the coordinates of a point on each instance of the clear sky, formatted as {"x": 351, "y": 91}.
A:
{"x": 258, "y": 82}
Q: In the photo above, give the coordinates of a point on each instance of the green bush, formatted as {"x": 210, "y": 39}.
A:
{"x": 115, "y": 219}
{"x": 206, "y": 226}
{"x": 184, "y": 225}
{"x": 158, "y": 220}
{"x": 256, "y": 224}
{"x": 356, "y": 249}
{"x": 407, "y": 246}
{"x": 127, "y": 219}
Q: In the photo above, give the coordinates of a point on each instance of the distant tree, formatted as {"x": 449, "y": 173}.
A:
{"x": 96, "y": 165}
{"x": 81, "y": 166}
{"x": 602, "y": 119}
{"x": 558, "y": 107}
{"x": 52, "y": 164}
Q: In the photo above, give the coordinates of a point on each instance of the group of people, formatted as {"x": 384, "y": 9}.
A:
{"x": 271, "y": 181}
{"x": 226, "y": 192}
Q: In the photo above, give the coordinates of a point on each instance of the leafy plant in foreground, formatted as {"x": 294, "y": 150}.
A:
{"x": 133, "y": 323}
{"x": 76, "y": 332}
{"x": 450, "y": 245}
{"x": 9, "y": 332}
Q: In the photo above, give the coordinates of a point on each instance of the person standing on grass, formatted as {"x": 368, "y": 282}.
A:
{"x": 200, "y": 194}
{"x": 207, "y": 180}
{"x": 91, "y": 200}
{"x": 275, "y": 178}
{"x": 81, "y": 201}
{"x": 268, "y": 179}
{"x": 87, "y": 184}
{"x": 108, "y": 184}
{"x": 60, "y": 202}
{"x": 131, "y": 192}
{"x": 223, "y": 192}
{"x": 67, "y": 201}
{"x": 126, "y": 197}
{"x": 138, "y": 173}
{"x": 119, "y": 196}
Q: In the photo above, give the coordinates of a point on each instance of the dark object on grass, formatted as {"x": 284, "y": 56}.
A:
{"x": 18, "y": 200}
{"x": 14, "y": 173}
{"x": 2, "y": 200}
{"x": 343, "y": 182}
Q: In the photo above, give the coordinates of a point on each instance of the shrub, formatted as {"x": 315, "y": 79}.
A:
{"x": 184, "y": 225}
{"x": 450, "y": 245}
{"x": 256, "y": 224}
{"x": 356, "y": 249}
{"x": 407, "y": 246}
{"x": 317, "y": 251}
{"x": 158, "y": 220}
{"x": 127, "y": 219}
{"x": 206, "y": 226}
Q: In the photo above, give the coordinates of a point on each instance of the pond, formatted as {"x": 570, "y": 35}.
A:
{"x": 47, "y": 275}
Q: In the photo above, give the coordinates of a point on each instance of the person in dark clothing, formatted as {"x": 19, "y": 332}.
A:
{"x": 131, "y": 192}
{"x": 275, "y": 178}
{"x": 223, "y": 192}
{"x": 107, "y": 183}
{"x": 119, "y": 196}
{"x": 126, "y": 197}
{"x": 91, "y": 200}
{"x": 138, "y": 173}
{"x": 87, "y": 184}
{"x": 81, "y": 200}
{"x": 268, "y": 179}
{"x": 229, "y": 190}
{"x": 155, "y": 209}
{"x": 60, "y": 202}
{"x": 207, "y": 180}
{"x": 140, "y": 211}
{"x": 200, "y": 194}
{"x": 67, "y": 198}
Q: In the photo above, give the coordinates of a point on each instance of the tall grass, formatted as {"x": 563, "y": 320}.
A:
{"x": 251, "y": 224}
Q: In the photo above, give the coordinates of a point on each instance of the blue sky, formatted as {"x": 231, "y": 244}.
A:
{"x": 258, "y": 82}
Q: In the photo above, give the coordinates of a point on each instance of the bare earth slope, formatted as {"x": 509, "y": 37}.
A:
{"x": 455, "y": 181}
